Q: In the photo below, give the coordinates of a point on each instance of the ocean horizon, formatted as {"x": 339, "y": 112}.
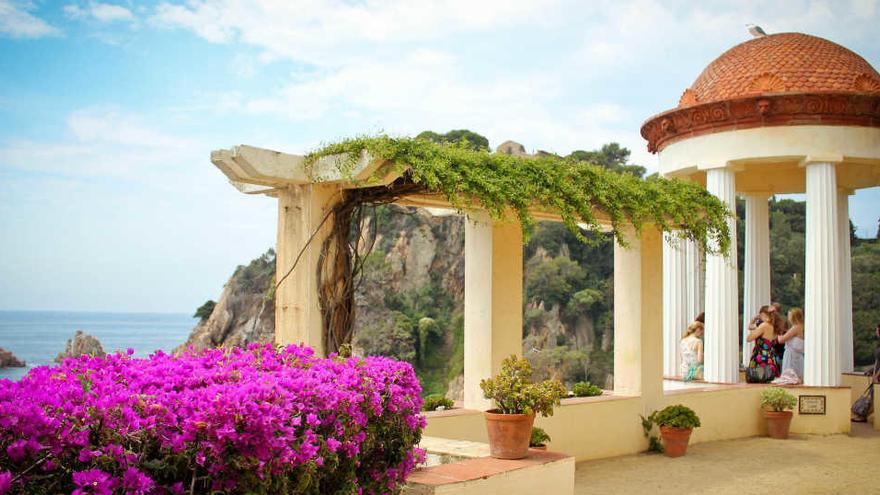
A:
{"x": 37, "y": 337}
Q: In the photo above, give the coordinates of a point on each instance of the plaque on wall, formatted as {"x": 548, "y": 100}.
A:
{"x": 811, "y": 404}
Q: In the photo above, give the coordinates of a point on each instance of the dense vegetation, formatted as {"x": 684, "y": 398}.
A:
{"x": 258, "y": 420}
{"x": 577, "y": 191}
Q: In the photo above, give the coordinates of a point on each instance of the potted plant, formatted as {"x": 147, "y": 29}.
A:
{"x": 676, "y": 424}
{"x": 517, "y": 400}
{"x": 777, "y": 405}
{"x": 539, "y": 439}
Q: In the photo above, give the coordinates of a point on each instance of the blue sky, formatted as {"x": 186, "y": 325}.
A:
{"x": 109, "y": 111}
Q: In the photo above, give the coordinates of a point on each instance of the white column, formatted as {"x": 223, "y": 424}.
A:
{"x": 675, "y": 307}
{"x": 756, "y": 270}
{"x": 821, "y": 278}
{"x": 721, "y": 340}
{"x": 638, "y": 302}
{"x": 845, "y": 256}
{"x": 493, "y": 287}
{"x": 696, "y": 280}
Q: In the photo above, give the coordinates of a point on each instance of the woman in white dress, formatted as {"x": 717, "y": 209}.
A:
{"x": 691, "y": 347}
{"x": 793, "y": 359}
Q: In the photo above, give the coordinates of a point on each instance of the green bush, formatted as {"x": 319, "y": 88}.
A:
{"x": 435, "y": 401}
{"x": 585, "y": 389}
{"x": 539, "y": 437}
{"x": 677, "y": 416}
{"x": 514, "y": 393}
{"x": 777, "y": 399}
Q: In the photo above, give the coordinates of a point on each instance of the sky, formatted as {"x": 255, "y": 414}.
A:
{"x": 109, "y": 112}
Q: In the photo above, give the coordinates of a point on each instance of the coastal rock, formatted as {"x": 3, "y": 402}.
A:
{"x": 81, "y": 344}
{"x": 245, "y": 312}
{"x": 8, "y": 360}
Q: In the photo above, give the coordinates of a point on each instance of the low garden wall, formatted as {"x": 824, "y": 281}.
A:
{"x": 609, "y": 425}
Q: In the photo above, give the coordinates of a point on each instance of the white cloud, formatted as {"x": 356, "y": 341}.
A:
{"x": 102, "y": 12}
{"x": 333, "y": 32}
{"x": 16, "y": 21}
{"x": 107, "y": 144}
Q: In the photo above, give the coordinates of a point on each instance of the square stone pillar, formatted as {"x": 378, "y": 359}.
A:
{"x": 301, "y": 209}
{"x": 638, "y": 317}
{"x": 493, "y": 295}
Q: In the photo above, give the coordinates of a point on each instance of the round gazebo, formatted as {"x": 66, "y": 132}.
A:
{"x": 784, "y": 113}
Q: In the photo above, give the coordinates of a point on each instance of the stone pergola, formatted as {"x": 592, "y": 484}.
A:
{"x": 493, "y": 270}
{"x": 784, "y": 113}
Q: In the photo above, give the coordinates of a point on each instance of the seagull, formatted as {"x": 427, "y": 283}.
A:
{"x": 756, "y": 31}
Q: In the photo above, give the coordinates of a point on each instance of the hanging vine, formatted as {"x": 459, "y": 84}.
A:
{"x": 584, "y": 196}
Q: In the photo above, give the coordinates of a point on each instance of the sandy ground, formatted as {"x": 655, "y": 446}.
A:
{"x": 804, "y": 464}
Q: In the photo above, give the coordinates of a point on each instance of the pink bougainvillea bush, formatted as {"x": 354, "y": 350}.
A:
{"x": 256, "y": 420}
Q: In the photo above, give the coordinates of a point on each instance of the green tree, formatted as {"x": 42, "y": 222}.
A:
{"x": 866, "y": 299}
{"x": 469, "y": 138}
{"x": 205, "y": 310}
{"x": 611, "y": 156}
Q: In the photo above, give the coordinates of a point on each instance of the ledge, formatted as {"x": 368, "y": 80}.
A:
{"x": 482, "y": 467}
{"x": 762, "y": 110}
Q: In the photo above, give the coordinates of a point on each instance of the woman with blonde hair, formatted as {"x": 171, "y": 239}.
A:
{"x": 793, "y": 359}
{"x": 691, "y": 348}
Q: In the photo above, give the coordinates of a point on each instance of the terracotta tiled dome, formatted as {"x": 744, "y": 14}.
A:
{"x": 783, "y": 63}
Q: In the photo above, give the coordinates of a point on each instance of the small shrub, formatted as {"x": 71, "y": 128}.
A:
{"x": 677, "y": 416}
{"x": 585, "y": 389}
{"x": 539, "y": 437}
{"x": 436, "y": 402}
{"x": 777, "y": 399}
{"x": 514, "y": 393}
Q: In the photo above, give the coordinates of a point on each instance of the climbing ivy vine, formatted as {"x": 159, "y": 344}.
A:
{"x": 582, "y": 195}
{"x": 575, "y": 190}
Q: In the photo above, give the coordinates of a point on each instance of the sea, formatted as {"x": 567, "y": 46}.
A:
{"x": 37, "y": 337}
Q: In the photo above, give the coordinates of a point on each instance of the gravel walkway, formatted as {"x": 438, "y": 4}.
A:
{"x": 807, "y": 464}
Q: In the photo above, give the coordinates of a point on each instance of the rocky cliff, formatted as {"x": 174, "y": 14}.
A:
{"x": 244, "y": 313}
{"x": 8, "y": 360}
{"x": 82, "y": 344}
{"x": 409, "y": 304}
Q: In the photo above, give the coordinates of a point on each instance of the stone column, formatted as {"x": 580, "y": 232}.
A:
{"x": 845, "y": 257}
{"x": 493, "y": 287}
{"x": 822, "y": 278}
{"x": 301, "y": 209}
{"x": 675, "y": 314}
{"x": 638, "y": 309}
{"x": 756, "y": 272}
{"x": 721, "y": 340}
{"x": 695, "y": 279}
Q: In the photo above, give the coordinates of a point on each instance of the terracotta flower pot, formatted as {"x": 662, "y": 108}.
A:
{"x": 675, "y": 440}
{"x": 509, "y": 434}
{"x": 778, "y": 423}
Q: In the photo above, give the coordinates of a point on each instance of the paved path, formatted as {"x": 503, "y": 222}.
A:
{"x": 808, "y": 464}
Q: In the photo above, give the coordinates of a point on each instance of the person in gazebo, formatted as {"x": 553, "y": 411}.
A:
{"x": 793, "y": 360}
{"x": 764, "y": 363}
{"x": 691, "y": 348}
